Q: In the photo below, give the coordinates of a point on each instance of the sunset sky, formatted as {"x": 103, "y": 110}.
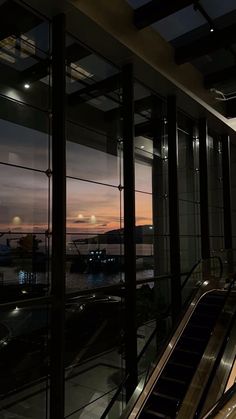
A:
{"x": 90, "y": 207}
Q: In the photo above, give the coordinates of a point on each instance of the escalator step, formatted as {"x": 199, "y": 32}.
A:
{"x": 163, "y": 403}
{"x": 166, "y": 396}
{"x": 176, "y": 370}
{"x": 186, "y": 357}
{"x": 213, "y": 298}
{"x": 199, "y": 319}
{"x": 189, "y": 343}
{"x": 149, "y": 414}
{"x": 172, "y": 387}
{"x": 208, "y": 308}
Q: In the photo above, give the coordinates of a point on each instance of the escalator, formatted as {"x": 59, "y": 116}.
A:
{"x": 168, "y": 394}
{"x": 206, "y": 309}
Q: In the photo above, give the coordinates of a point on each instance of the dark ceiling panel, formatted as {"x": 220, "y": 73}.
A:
{"x": 157, "y": 10}
{"x": 35, "y": 72}
{"x": 207, "y": 44}
{"x": 220, "y": 76}
{"x": 75, "y": 52}
{"x": 16, "y": 20}
{"x": 95, "y": 90}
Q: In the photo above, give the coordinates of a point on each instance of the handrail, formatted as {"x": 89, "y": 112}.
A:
{"x": 113, "y": 399}
{"x": 221, "y": 402}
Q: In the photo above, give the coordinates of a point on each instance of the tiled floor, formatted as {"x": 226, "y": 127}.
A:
{"x": 88, "y": 390}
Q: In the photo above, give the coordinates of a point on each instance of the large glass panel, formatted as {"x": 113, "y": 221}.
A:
{"x": 24, "y": 136}
{"x": 24, "y": 55}
{"x": 24, "y": 360}
{"x": 94, "y": 255}
{"x": 233, "y": 193}
{"x": 188, "y": 185}
{"x": 94, "y": 356}
{"x": 24, "y": 200}
{"x": 215, "y": 192}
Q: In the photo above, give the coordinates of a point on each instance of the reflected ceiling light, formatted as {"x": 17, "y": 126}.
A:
{"x": 26, "y": 85}
{"x": 16, "y": 220}
{"x": 93, "y": 219}
{"x": 142, "y": 147}
{"x": 80, "y": 216}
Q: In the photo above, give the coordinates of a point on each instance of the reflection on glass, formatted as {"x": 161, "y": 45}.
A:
{"x": 24, "y": 355}
{"x": 92, "y": 208}
{"x": 91, "y": 163}
{"x": 24, "y": 200}
{"x": 21, "y": 145}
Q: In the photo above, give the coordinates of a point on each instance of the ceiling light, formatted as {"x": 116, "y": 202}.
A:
{"x": 26, "y": 85}
{"x": 212, "y": 30}
{"x": 142, "y": 147}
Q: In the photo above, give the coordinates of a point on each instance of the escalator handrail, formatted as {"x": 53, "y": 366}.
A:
{"x": 221, "y": 402}
{"x": 163, "y": 315}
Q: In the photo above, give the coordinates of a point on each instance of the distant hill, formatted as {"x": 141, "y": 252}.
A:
{"x": 144, "y": 234}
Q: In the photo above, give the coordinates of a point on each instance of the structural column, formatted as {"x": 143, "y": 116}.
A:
{"x": 58, "y": 218}
{"x": 173, "y": 207}
{"x": 203, "y": 172}
{"x": 129, "y": 230}
{"x": 228, "y": 241}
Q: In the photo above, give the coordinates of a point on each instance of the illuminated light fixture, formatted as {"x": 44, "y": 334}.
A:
{"x": 142, "y": 147}
{"x": 212, "y": 30}
{"x": 26, "y": 85}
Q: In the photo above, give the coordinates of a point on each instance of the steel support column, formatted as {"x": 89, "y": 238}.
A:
{"x": 129, "y": 230}
{"x": 58, "y": 218}
{"x": 175, "y": 266}
{"x": 228, "y": 241}
{"x": 203, "y": 172}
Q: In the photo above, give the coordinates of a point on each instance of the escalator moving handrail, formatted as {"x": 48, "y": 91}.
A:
{"x": 219, "y": 357}
{"x": 221, "y": 402}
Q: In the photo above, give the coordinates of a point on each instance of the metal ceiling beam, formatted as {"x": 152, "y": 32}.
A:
{"x": 16, "y": 20}
{"x": 156, "y": 10}
{"x": 231, "y": 108}
{"x": 140, "y": 105}
{"x": 74, "y": 52}
{"x": 217, "y": 77}
{"x": 95, "y": 90}
{"x": 36, "y": 72}
{"x": 213, "y": 41}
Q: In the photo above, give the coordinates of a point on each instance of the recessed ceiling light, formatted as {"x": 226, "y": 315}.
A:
{"x": 212, "y": 30}
{"x": 26, "y": 85}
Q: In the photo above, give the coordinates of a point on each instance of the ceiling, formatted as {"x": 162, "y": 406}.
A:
{"x": 203, "y": 33}
{"x": 91, "y": 80}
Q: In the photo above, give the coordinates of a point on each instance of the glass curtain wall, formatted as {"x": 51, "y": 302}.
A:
{"x": 215, "y": 195}
{"x": 188, "y": 178}
{"x": 94, "y": 364}
{"x": 25, "y": 213}
{"x": 233, "y": 193}
{"x": 151, "y": 203}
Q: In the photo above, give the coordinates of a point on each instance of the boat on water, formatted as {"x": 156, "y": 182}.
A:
{"x": 99, "y": 261}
